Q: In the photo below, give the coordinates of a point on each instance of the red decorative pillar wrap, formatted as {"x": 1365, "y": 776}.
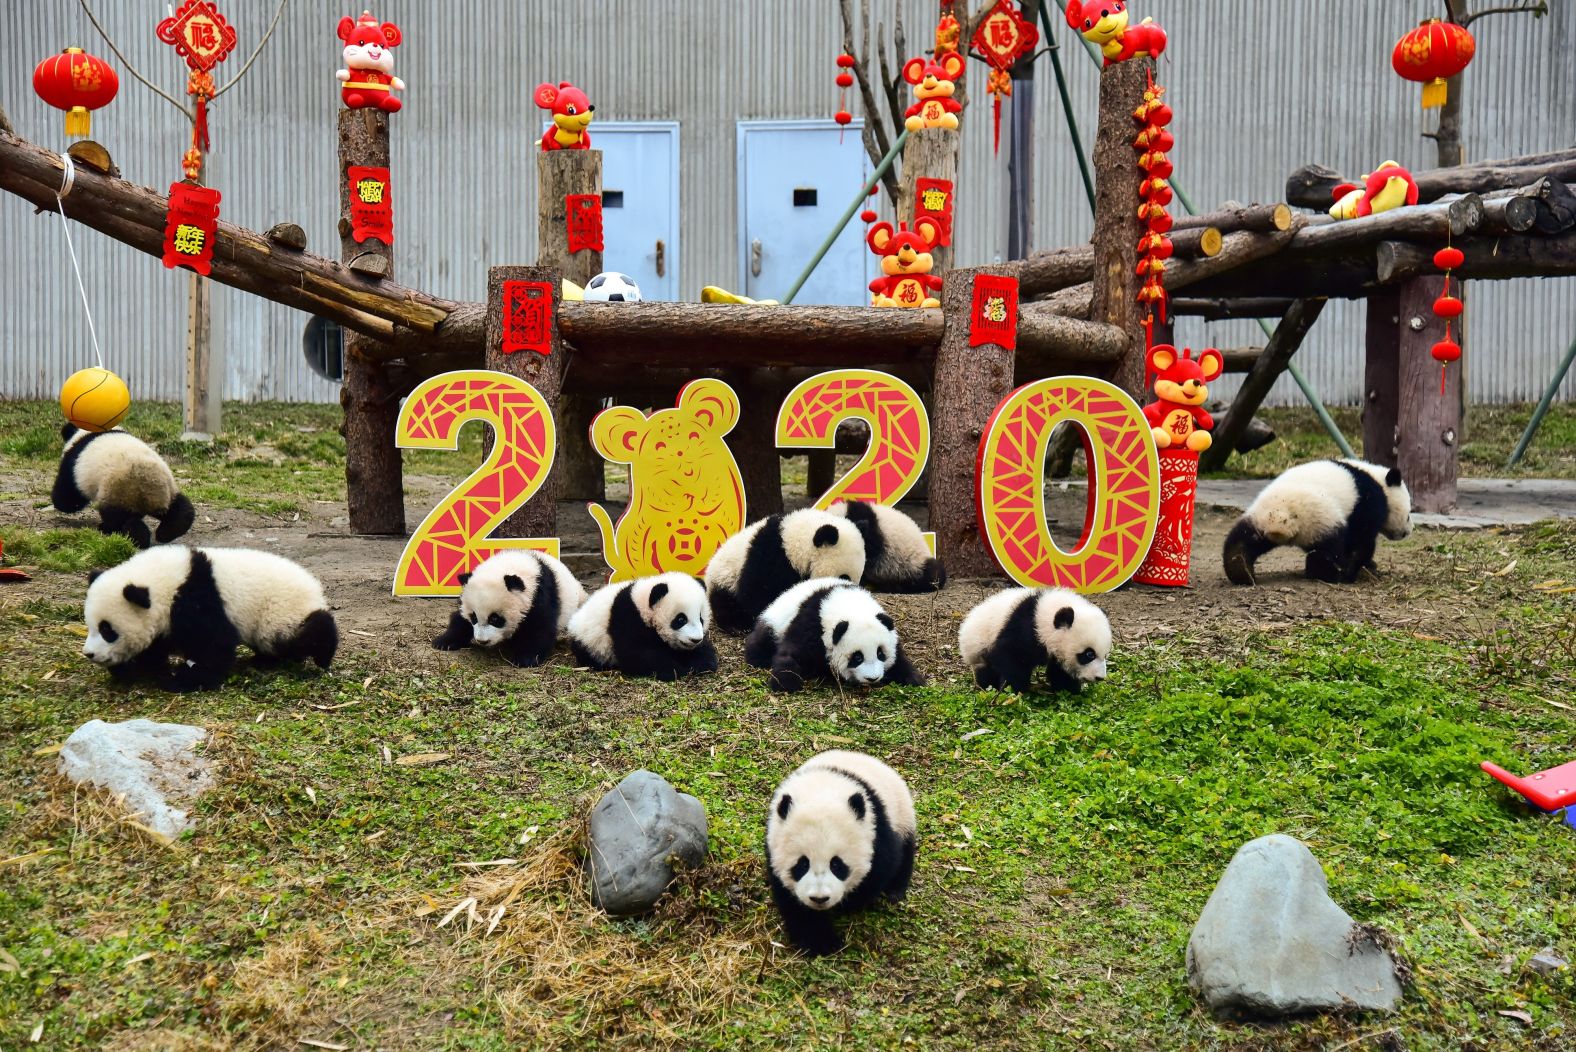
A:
{"x": 933, "y": 198}
{"x": 1172, "y": 550}
{"x": 527, "y": 317}
{"x": 190, "y": 227}
{"x": 993, "y": 317}
{"x": 584, "y": 216}
{"x": 371, "y": 204}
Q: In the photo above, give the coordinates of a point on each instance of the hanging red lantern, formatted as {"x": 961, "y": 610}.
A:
{"x": 843, "y": 117}
{"x": 1446, "y": 351}
{"x": 845, "y": 80}
{"x": 1449, "y": 258}
{"x": 1449, "y": 308}
{"x": 868, "y": 216}
{"x": 78, "y": 83}
{"x": 845, "y": 61}
{"x": 1431, "y": 54}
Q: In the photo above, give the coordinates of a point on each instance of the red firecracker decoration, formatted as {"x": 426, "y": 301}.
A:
{"x": 190, "y": 227}
{"x": 1449, "y": 308}
{"x": 994, "y": 317}
{"x": 200, "y": 35}
{"x": 1154, "y": 248}
{"x": 371, "y": 204}
{"x": 527, "y": 316}
{"x": 1003, "y": 37}
{"x": 845, "y": 80}
{"x": 949, "y": 34}
{"x": 1431, "y": 54}
{"x": 78, "y": 83}
{"x": 583, "y": 213}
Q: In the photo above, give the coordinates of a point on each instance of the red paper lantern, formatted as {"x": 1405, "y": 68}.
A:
{"x": 1447, "y": 307}
{"x": 843, "y": 117}
{"x": 845, "y": 61}
{"x": 78, "y": 83}
{"x": 845, "y": 80}
{"x": 1446, "y": 351}
{"x": 1431, "y": 54}
{"x": 1449, "y": 258}
{"x": 868, "y": 216}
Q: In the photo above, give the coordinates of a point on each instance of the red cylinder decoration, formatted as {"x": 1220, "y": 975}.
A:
{"x": 1172, "y": 550}
{"x": 1431, "y": 54}
{"x": 78, "y": 83}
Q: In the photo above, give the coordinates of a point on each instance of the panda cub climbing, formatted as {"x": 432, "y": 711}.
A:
{"x": 771, "y": 555}
{"x": 517, "y": 602}
{"x": 126, "y": 479}
{"x": 1334, "y": 510}
{"x": 1008, "y": 636}
{"x": 897, "y": 559}
{"x": 197, "y": 605}
{"x": 828, "y": 629}
{"x": 653, "y": 626}
{"x": 840, "y": 836}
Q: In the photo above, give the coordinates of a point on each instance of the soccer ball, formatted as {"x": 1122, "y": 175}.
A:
{"x": 612, "y": 287}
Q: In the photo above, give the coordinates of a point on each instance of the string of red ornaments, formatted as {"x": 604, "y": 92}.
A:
{"x": 845, "y": 80}
{"x": 1153, "y": 143}
{"x": 1449, "y": 308}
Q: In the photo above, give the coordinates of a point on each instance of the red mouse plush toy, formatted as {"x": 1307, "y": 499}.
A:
{"x": 368, "y": 80}
{"x": 1105, "y": 24}
{"x": 906, "y": 260}
{"x": 934, "y": 82}
{"x": 571, "y": 110}
{"x": 1177, "y": 417}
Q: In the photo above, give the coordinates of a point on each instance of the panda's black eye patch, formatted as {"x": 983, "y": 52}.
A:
{"x": 107, "y": 632}
{"x": 856, "y": 659}
{"x": 473, "y": 619}
{"x": 496, "y": 620}
{"x": 800, "y": 868}
{"x": 881, "y": 654}
{"x": 680, "y": 621}
{"x": 839, "y": 868}
{"x": 1087, "y": 656}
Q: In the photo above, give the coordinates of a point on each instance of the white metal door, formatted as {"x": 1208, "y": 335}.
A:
{"x": 795, "y": 181}
{"x": 640, "y": 203}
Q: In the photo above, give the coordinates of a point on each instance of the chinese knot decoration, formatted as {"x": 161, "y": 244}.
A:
{"x": 190, "y": 227}
{"x": 1431, "y": 54}
{"x": 1154, "y": 142}
{"x": 1104, "y": 23}
{"x": 527, "y": 316}
{"x": 572, "y": 112}
{"x": 368, "y": 80}
{"x": 371, "y": 204}
{"x": 200, "y": 35}
{"x": 78, "y": 83}
{"x": 1003, "y": 37}
{"x": 1449, "y": 308}
{"x": 906, "y": 261}
{"x": 845, "y": 80}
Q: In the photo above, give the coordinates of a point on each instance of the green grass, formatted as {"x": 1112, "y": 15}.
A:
{"x": 64, "y": 551}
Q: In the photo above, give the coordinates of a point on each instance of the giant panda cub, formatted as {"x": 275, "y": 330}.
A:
{"x": 653, "y": 626}
{"x": 197, "y": 605}
{"x": 1006, "y": 637}
{"x": 840, "y": 835}
{"x": 830, "y": 630}
{"x": 1334, "y": 510}
{"x": 126, "y": 479}
{"x": 771, "y": 555}
{"x": 518, "y": 602}
{"x": 897, "y": 559}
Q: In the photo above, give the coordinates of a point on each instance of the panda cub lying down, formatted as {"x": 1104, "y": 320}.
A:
{"x": 654, "y": 626}
{"x": 517, "y": 602}
{"x": 827, "y": 629}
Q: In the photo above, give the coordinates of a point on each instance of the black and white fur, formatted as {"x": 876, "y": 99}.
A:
{"x": 897, "y": 559}
{"x": 827, "y": 629}
{"x": 771, "y": 555}
{"x": 126, "y": 479}
{"x": 653, "y": 626}
{"x": 1334, "y": 510}
{"x": 517, "y": 602}
{"x": 840, "y": 836}
{"x": 1008, "y": 636}
{"x": 197, "y": 605}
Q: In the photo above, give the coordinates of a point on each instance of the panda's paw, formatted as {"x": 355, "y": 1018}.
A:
{"x": 816, "y": 942}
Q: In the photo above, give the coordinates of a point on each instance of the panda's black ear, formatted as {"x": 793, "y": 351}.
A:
{"x": 137, "y": 595}
{"x": 463, "y": 578}
{"x": 783, "y": 805}
{"x": 857, "y": 804}
{"x": 838, "y": 632}
{"x": 886, "y": 621}
{"x": 67, "y": 430}
{"x": 513, "y": 583}
{"x": 1393, "y": 478}
{"x": 94, "y": 575}
{"x": 657, "y": 592}
{"x": 1064, "y": 618}
{"x": 827, "y": 536}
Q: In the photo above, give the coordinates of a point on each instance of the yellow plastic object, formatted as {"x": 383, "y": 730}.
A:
{"x": 94, "y": 399}
{"x": 571, "y": 293}
{"x": 713, "y": 294}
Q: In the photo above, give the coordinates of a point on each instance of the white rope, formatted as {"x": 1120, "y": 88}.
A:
{"x": 60, "y": 200}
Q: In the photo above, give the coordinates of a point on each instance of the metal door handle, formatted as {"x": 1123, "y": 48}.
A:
{"x": 662, "y": 258}
{"x": 755, "y": 257}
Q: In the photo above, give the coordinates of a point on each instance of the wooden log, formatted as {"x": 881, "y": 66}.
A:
{"x": 1117, "y": 227}
{"x": 1511, "y": 214}
{"x": 1556, "y": 205}
{"x": 1043, "y": 334}
{"x": 545, "y": 372}
{"x": 1428, "y": 223}
{"x": 930, "y": 153}
{"x": 754, "y": 439}
{"x": 1196, "y": 242}
{"x": 1223, "y": 308}
{"x": 1241, "y": 359}
{"x": 1382, "y": 380}
{"x": 1046, "y": 272}
{"x": 1430, "y": 418}
{"x": 969, "y": 382}
{"x": 374, "y": 475}
{"x": 287, "y": 235}
{"x": 821, "y": 471}
{"x": 1312, "y": 186}
{"x": 1231, "y": 219}
{"x": 1284, "y": 343}
{"x": 1495, "y": 259}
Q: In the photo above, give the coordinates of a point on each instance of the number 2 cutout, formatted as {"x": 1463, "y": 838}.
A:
{"x": 453, "y": 538}
{"x": 899, "y": 432}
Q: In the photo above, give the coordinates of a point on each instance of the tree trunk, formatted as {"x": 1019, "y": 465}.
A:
{"x": 1382, "y": 380}
{"x": 1117, "y": 227}
{"x": 930, "y": 153}
{"x": 1430, "y": 417}
{"x": 539, "y": 517}
{"x": 754, "y": 440}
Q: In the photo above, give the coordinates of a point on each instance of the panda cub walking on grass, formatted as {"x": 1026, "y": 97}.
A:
{"x": 126, "y": 479}
{"x": 1008, "y": 636}
{"x": 840, "y": 836}
{"x": 1334, "y": 510}
{"x": 771, "y": 555}
{"x": 653, "y": 626}
{"x": 829, "y": 630}
{"x": 517, "y": 602}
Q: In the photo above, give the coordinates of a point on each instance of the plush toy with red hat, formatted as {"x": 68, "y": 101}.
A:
{"x": 1177, "y": 417}
{"x": 368, "y": 77}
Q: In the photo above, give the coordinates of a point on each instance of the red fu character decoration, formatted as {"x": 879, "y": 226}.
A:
{"x": 572, "y": 113}
{"x": 200, "y": 35}
{"x": 527, "y": 316}
{"x": 1003, "y": 37}
{"x": 78, "y": 83}
{"x": 994, "y": 314}
{"x": 906, "y": 260}
{"x": 1449, "y": 308}
{"x": 368, "y": 80}
{"x": 1104, "y": 23}
{"x": 583, "y": 217}
{"x": 1431, "y": 54}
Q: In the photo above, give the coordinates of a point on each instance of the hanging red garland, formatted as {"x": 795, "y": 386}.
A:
{"x": 845, "y": 80}
{"x": 1449, "y": 308}
{"x": 1154, "y": 248}
{"x": 1003, "y": 37}
{"x": 948, "y": 32}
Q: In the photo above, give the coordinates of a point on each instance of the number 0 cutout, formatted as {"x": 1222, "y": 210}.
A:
{"x": 899, "y": 432}
{"x": 453, "y": 537}
{"x": 1124, "y": 485}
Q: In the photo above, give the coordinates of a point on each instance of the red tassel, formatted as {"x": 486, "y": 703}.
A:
{"x": 1442, "y": 369}
{"x": 996, "y": 144}
{"x": 200, "y": 129}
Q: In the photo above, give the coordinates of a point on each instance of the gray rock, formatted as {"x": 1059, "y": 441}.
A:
{"x": 1547, "y": 963}
{"x": 150, "y": 766}
{"x": 1271, "y": 942}
{"x": 635, "y": 829}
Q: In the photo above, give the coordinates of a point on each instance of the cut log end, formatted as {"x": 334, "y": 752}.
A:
{"x": 91, "y": 155}
{"x": 1212, "y": 241}
{"x": 288, "y": 235}
{"x": 370, "y": 265}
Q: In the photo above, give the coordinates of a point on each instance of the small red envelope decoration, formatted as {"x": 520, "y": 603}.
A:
{"x": 371, "y": 204}
{"x": 933, "y": 198}
{"x": 527, "y": 316}
{"x": 190, "y": 227}
{"x": 994, "y": 315}
{"x": 584, "y": 214}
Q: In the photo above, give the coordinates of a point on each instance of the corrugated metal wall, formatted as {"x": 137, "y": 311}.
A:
{"x": 1256, "y": 96}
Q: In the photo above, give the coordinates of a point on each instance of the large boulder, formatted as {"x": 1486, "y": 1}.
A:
{"x": 152, "y": 767}
{"x": 1271, "y": 941}
{"x": 640, "y": 825}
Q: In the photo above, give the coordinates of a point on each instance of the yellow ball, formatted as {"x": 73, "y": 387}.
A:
{"x": 95, "y": 399}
